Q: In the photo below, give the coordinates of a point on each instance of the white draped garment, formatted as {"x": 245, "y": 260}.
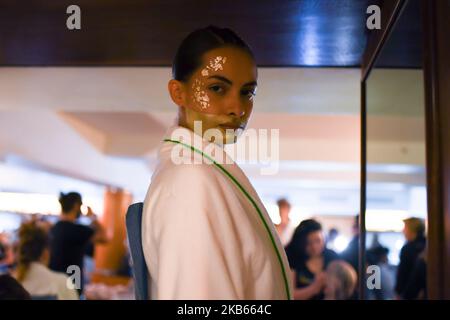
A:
{"x": 202, "y": 237}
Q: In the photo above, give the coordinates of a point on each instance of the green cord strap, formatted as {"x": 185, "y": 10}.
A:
{"x": 236, "y": 182}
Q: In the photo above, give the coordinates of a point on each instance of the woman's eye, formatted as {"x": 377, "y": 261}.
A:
{"x": 217, "y": 89}
{"x": 248, "y": 93}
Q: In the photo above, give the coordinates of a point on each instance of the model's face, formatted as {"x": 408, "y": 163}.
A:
{"x": 315, "y": 244}
{"x": 220, "y": 93}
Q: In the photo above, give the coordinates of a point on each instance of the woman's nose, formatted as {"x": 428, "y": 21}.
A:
{"x": 237, "y": 113}
{"x": 236, "y": 108}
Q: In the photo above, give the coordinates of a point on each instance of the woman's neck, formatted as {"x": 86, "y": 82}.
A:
{"x": 67, "y": 217}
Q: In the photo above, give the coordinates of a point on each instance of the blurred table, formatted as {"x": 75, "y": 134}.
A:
{"x": 109, "y": 287}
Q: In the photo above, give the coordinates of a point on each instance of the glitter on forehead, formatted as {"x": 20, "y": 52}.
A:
{"x": 205, "y": 72}
{"x": 214, "y": 65}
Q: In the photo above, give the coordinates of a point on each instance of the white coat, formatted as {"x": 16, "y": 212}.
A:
{"x": 202, "y": 237}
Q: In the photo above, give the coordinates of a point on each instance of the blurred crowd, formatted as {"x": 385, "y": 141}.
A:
{"x": 318, "y": 272}
{"x": 52, "y": 261}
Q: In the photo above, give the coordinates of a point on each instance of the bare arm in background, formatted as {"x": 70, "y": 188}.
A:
{"x": 100, "y": 235}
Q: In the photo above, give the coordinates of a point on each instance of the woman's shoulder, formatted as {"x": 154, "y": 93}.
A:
{"x": 175, "y": 177}
{"x": 44, "y": 273}
{"x": 182, "y": 186}
{"x": 39, "y": 277}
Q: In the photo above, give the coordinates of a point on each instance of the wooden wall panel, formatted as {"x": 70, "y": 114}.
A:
{"x": 437, "y": 95}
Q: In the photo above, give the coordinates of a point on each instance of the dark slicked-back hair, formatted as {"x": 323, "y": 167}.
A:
{"x": 189, "y": 55}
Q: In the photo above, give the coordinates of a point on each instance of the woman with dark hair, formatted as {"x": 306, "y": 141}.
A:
{"x": 205, "y": 232}
{"x": 308, "y": 258}
{"x": 32, "y": 271}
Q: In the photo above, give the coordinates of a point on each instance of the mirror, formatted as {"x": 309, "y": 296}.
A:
{"x": 396, "y": 166}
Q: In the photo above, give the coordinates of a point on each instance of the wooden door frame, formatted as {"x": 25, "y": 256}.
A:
{"x": 436, "y": 26}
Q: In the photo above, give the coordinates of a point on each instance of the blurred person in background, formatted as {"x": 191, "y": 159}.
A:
{"x": 351, "y": 253}
{"x": 125, "y": 268}
{"x": 414, "y": 232}
{"x": 6, "y": 254}
{"x": 42, "y": 221}
{"x": 416, "y": 287}
{"x": 32, "y": 260}
{"x": 333, "y": 233}
{"x": 89, "y": 262}
{"x": 341, "y": 281}
{"x": 308, "y": 258}
{"x": 285, "y": 228}
{"x": 378, "y": 255}
{"x": 69, "y": 240}
{"x": 3, "y": 266}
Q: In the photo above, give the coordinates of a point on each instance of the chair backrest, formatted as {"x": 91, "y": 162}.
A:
{"x": 133, "y": 222}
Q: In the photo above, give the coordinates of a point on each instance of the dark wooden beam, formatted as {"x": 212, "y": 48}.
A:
{"x": 363, "y": 196}
{"x": 310, "y": 33}
{"x": 436, "y": 15}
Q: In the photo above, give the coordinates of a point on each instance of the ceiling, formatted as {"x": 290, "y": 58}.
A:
{"x": 318, "y": 33}
{"x": 127, "y": 134}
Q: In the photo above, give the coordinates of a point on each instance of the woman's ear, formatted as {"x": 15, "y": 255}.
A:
{"x": 177, "y": 92}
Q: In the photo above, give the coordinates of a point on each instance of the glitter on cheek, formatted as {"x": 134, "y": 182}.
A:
{"x": 200, "y": 96}
{"x": 203, "y": 99}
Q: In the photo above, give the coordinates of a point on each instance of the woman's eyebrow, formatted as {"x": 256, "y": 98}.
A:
{"x": 251, "y": 83}
{"x": 221, "y": 79}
